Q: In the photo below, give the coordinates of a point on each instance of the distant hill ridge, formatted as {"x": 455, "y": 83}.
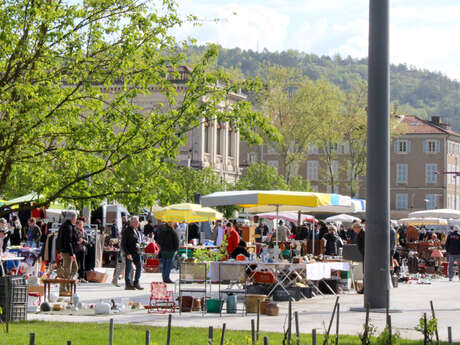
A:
{"x": 414, "y": 91}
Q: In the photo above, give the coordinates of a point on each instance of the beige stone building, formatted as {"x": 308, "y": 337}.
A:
{"x": 427, "y": 149}
{"x": 417, "y": 157}
{"x": 212, "y": 144}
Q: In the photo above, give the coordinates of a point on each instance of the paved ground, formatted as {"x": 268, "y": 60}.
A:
{"x": 412, "y": 299}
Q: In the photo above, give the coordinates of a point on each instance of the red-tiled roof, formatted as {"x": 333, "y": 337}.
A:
{"x": 415, "y": 125}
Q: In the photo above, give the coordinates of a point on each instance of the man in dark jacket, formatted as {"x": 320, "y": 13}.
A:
{"x": 359, "y": 237}
{"x": 333, "y": 242}
{"x": 453, "y": 250}
{"x": 149, "y": 229}
{"x": 130, "y": 248}
{"x": 169, "y": 243}
{"x": 66, "y": 245}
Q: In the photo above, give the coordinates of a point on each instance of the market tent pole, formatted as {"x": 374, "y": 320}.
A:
{"x": 377, "y": 251}
{"x": 276, "y": 222}
{"x": 313, "y": 240}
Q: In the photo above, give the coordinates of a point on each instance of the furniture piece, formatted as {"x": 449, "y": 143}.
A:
{"x": 193, "y": 273}
{"x": 248, "y": 233}
{"x": 161, "y": 299}
{"x": 235, "y": 277}
{"x": 71, "y": 282}
{"x": 11, "y": 259}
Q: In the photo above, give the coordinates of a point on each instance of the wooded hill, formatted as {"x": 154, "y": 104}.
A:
{"x": 413, "y": 91}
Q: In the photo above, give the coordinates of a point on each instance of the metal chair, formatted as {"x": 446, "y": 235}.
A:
{"x": 161, "y": 299}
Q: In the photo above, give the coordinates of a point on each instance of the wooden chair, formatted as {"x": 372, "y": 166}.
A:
{"x": 161, "y": 299}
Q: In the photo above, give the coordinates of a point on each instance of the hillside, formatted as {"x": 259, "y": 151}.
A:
{"x": 413, "y": 91}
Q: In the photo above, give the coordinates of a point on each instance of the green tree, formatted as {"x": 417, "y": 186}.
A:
{"x": 260, "y": 176}
{"x": 290, "y": 101}
{"x": 71, "y": 76}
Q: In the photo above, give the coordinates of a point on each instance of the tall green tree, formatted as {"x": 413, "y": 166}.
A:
{"x": 261, "y": 176}
{"x": 71, "y": 74}
{"x": 290, "y": 101}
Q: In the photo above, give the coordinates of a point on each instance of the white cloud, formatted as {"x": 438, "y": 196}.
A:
{"x": 423, "y": 33}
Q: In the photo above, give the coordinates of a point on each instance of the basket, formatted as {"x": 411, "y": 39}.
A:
{"x": 214, "y": 305}
{"x": 96, "y": 277}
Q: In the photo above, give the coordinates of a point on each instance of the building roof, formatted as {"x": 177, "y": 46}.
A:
{"x": 416, "y": 125}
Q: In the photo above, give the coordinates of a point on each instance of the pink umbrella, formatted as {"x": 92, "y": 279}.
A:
{"x": 288, "y": 216}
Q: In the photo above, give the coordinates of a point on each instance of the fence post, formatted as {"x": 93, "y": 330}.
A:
{"x": 147, "y": 337}
{"x": 289, "y": 322}
{"x": 449, "y": 334}
{"x": 390, "y": 330}
{"x": 222, "y": 337}
{"x": 434, "y": 317}
{"x": 265, "y": 340}
{"x": 69, "y": 342}
{"x": 111, "y": 332}
{"x": 313, "y": 336}
{"x": 297, "y": 330}
{"x": 258, "y": 320}
{"x": 253, "y": 332}
{"x": 32, "y": 339}
{"x": 168, "y": 336}
{"x": 337, "y": 325}
{"x": 210, "y": 335}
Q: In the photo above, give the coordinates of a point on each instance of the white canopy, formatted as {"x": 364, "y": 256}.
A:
{"x": 437, "y": 213}
{"x": 342, "y": 218}
{"x": 292, "y": 217}
{"x": 423, "y": 221}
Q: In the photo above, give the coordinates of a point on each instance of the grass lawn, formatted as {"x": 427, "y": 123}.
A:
{"x": 58, "y": 333}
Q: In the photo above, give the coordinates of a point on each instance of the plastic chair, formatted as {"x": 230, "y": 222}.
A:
{"x": 161, "y": 299}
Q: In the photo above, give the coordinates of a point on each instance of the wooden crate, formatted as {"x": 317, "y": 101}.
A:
{"x": 248, "y": 233}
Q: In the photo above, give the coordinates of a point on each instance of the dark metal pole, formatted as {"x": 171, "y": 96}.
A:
{"x": 377, "y": 249}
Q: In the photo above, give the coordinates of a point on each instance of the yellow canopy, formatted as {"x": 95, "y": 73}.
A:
{"x": 186, "y": 213}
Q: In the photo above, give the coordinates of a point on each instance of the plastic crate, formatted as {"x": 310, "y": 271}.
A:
{"x": 12, "y": 281}
{"x": 280, "y": 295}
{"x": 15, "y": 313}
{"x": 16, "y": 295}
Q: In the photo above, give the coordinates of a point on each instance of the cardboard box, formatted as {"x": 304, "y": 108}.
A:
{"x": 37, "y": 289}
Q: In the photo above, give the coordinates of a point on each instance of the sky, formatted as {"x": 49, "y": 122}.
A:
{"x": 424, "y": 33}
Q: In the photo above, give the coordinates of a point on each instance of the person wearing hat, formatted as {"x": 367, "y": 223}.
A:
{"x": 452, "y": 247}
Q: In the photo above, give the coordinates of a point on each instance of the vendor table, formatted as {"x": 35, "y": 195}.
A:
{"x": 284, "y": 272}
{"x": 8, "y": 258}
{"x": 48, "y": 281}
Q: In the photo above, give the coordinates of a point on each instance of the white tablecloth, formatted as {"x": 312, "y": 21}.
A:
{"x": 322, "y": 270}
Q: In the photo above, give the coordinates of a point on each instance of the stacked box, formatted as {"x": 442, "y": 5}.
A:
{"x": 13, "y": 298}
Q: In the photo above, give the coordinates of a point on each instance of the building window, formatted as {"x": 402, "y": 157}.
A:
{"x": 206, "y": 137}
{"x": 431, "y": 146}
{"x": 401, "y": 173}
{"x": 402, "y": 146}
{"x": 431, "y": 201}
{"x": 312, "y": 150}
{"x": 312, "y": 170}
{"x": 430, "y": 170}
{"x": 230, "y": 144}
{"x": 401, "y": 202}
{"x": 274, "y": 164}
{"x": 219, "y": 139}
{"x": 252, "y": 157}
{"x": 335, "y": 169}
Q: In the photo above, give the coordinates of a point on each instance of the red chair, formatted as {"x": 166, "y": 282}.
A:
{"x": 161, "y": 299}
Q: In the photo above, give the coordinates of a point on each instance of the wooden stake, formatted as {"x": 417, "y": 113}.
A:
{"x": 390, "y": 330}
{"x": 337, "y": 325}
{"x": 147, "y": 337}
{"x": 258, "y": 319}
{"x": 210, "y": 335}
{"x": 168, "y": 335}
{"x": 111, "y": 332}
{"x": 425, "y": 338}
{"x": 32, "y": 339}
{"x": 222, "y": 337}
{"x": 253, "y": 332}
{"x": 366, "y": 326}
{"x": 289, "y": 322}
{"x": 297, "y": 330}
{"x": 265, "y": 340}
{"x": 326, "y": 339}
{"x": 69, "y": 342}
{"x": 449, "y": 335}
{"x": 434, "y": 317}
{"x": 313, "y": 336}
